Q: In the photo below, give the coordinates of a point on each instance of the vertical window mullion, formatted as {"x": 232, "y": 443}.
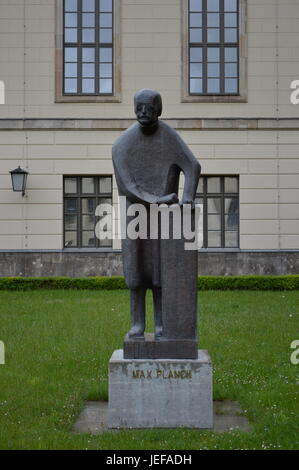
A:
{"x": 205, "y": 213}
{"x": 222, "y": 212}
{"x": 205, "y": 50}
{"x": 97, "y": 47}
{"x": 79, "y": 47}
{"x": 222, "y": 78}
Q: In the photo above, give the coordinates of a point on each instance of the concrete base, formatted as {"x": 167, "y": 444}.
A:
{"x": 150, "y": 347}
{"x": 161, "y": 393}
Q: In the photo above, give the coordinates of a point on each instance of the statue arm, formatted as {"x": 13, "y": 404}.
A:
{"x": 191, "y": 169}
{"x": 129, "y": 188}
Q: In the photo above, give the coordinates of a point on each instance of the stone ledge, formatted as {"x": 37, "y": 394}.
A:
{"x": 177, "y": 123}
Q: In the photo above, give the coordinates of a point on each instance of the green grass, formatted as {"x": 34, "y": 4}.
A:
{"x": 58, "y": 344}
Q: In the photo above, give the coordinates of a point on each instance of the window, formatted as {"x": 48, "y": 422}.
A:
{"x": 220, "y": 198}
{"x": 88, "y": 50}
{"x": 82, "y": 196}
{"x": 213, "y": 62}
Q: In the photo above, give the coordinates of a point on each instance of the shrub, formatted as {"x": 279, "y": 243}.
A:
{"x": 271, "y": 283}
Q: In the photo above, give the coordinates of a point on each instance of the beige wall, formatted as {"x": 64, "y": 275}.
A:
{"x": 269, "y": 190}
{"x": 266, "y": 160}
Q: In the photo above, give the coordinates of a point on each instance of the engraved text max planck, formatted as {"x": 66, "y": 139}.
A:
{"x": 158, "y": 373}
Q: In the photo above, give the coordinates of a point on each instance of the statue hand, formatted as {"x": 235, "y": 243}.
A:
{"x": 168, "y": 199}
{"x": 187, "y": 201}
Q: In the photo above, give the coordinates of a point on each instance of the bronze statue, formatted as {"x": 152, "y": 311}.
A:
{"x": 148, "y": 159}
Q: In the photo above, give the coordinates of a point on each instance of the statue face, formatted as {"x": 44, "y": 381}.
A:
{"x": 146, "y": 112}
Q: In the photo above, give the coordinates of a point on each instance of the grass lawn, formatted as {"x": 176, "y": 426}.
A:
{"x": 58, "y": 344}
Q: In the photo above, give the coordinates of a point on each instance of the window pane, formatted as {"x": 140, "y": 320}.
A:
{"x": 231, "y": 239}
{"x": 231, "y": 54}
{"x": 196, "y": 70}
{"x": 231, "y": 85}
{"x": 70, "y": 222}
{"x": 212, "y": 5}
{"x": 213, "y": 70}
{"x": 105, "y": 54}
{"x": 200, "y": 185}
{"x": 214, "y": 185}
{"x": 88, "y": 70}
{"x": 230, "y": 20}
{"x": 88, "y": 85}
{"x": 230, "y": 35}
{"x": 71, "y": 20}
{"x": 70, "y": 239}
{"x": 195, "y": 54}
{"x": 88, "y": 5}
{"x": 71, "y": 205}
{"x": 106, "y": 5}
{"x": 70, "y": 185}
{"x": 105, "y": 185}
{"x": 213, "y": 35}
{"x": 213, "y": 19}
{"x": 70, "y": 70}
{"x": 70, "y": 54}
{"x": 230, "y": 184}
{"x": 231, "y": 205}
{"x": 70, "y": 85}
{"x": 231, "y": 221}
{"x": 231, "y": 70}
{"x": 107, "y": 242}
{"x": 106, "y": 35}
{"x": 199, "y": 200}
{"x": 106, "y": 85}
{"x": 196, "y": 35}
{"x": 213, "y": 85}
{"x": 88, "y": 239}
{"x": 196, "y": 85}
{"x": 106, "y": 20}
{"x": 213, "y": 54}
{"x": 195, "y": 20}
{"x": 71, "y": 5}
{"x": 230, "y": 5}
{"x": 88, "y": 222}
{"x": 105, "y": 210}
{"x": 214, "y": 239}
{"x": 214, "y": 205}
{"x": 88, "y": 205}
{"x": 195, "y": 5}
{"x": 214, "y": 222}
{"x": 88, "y": 35}
{"x": 88, "y": 20}
{"x": 106, "y": 70}
{"x": 88, "y": 54}
{"x": 70, "y": 35}
{"x": 88, "y": 185}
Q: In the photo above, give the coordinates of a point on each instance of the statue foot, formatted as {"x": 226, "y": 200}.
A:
{"x": 136, "y": 332}
{"x": 158, "y": 332}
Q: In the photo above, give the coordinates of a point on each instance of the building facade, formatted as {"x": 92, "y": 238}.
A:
{"x": 228, "y": 72}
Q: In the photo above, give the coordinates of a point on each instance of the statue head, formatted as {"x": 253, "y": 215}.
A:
{"x": 148, "y": 107}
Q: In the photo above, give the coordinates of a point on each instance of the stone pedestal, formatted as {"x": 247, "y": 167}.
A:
{"x": 161, "y": 393}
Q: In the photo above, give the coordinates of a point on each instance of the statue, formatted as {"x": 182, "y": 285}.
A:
{"x": 148, "y": 159}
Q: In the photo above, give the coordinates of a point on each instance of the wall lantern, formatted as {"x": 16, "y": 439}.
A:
{"x": 19, "y": 179}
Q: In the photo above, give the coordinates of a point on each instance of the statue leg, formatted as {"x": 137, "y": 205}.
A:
{"x": 157, "y": 295}
{"x": 137, "y": 312}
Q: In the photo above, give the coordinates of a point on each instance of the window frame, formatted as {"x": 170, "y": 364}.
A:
{"x": 79, "y": 195}
{"x": 60, "y": 97}
{"x": 241, "y": 96}
{"x": 222, "y": 195}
